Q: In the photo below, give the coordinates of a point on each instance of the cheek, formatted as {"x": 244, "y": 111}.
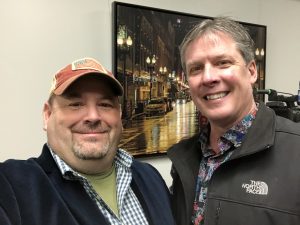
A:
{"x": 230, "y": 74}
{"x": 117, "y": 122}
{"x": 195, "y": 88}
{"x": 233, "y": 79}
{"x": 112, "y": 118}
{"x": 194, "y": 84}
{"x": 58, "y": 125}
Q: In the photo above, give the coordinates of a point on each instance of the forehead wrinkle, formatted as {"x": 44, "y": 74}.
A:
{"x": 211, "y": 46}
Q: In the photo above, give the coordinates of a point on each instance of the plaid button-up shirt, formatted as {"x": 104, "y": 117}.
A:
{"x": 130, "y": 209}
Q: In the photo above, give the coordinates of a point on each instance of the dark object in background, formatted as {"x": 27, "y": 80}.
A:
{"x": 284, "y": 105}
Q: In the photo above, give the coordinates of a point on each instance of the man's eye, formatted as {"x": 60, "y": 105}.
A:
{"x": 195, "y": 70}
{"x": 106, "y": 105}
{"x": 224, "y": 63}
{"x": 75, "y": 104}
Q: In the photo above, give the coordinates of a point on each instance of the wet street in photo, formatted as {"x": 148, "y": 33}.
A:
{"x": 154, "y": 135}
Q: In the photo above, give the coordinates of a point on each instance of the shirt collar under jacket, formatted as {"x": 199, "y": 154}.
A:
{"x": 122, "y": 159}
{"x": 233, "y": 137}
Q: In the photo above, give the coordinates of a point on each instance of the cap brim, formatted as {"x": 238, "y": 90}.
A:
{"x": 114, "y": 82}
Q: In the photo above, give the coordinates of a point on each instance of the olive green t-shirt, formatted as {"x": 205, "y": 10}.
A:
{"x": 105, "y": 186}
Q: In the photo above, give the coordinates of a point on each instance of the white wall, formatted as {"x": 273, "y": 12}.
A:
{"x": 38, "y": 37}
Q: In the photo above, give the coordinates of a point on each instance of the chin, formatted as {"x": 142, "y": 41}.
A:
{"x": 90, "y": 156}
{"x": 219, "y": 115}
{"x": 93, "y": 152}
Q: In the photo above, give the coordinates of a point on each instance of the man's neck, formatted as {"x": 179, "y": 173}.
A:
{"x": 217, "y": 131}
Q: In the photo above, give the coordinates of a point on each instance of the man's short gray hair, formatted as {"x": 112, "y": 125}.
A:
{"x": 239, "y": 33}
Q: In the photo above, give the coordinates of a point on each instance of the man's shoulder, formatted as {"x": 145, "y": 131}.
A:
{"x": 15, "y": 169}
{"x": 287, "y": 125}
{"x": 16, "y": 164}
{"x": 143, "y": 167}
{"x": 282, "y": 124}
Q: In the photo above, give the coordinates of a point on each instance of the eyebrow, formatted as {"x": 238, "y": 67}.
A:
{"x": 223, "y": 56}
{"x": 193, "y": 63}
{"x": 214, "y": 57}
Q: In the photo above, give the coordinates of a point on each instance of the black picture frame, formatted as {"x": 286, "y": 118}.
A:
{"x": 141, "y": 34}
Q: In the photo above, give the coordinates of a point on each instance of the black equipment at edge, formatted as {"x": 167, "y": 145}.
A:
{"x": 283, "y": 105}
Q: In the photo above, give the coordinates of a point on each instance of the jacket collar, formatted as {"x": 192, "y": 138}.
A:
{"x": 46, "y": 160}
{"x": 261, "y": 135}
{"x": 71, "y": 192}
{"x": 185, "y": 157}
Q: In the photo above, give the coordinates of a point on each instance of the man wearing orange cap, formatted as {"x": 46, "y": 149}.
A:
{"x": 82, "y": 177}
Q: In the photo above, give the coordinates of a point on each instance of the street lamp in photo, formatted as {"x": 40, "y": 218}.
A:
{"x": 163, "y": 70}
{"x": 164, "y": 79}
{"x": 151, "y": 64}
{"x": 259, "y": 58}
{"x": 259, "y": 55}
{"x": 124, "y": 43}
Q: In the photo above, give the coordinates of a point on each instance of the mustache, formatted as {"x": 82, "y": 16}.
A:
{"x": 90, "y": 129}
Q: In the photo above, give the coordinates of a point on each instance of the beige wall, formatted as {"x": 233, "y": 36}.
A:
{"x": 39, "y": 36}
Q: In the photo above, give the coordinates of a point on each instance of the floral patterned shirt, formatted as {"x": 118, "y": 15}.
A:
{"x": 211, "y": 161}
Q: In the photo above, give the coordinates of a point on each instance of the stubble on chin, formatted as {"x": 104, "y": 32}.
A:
{"x": 91, "y": 151}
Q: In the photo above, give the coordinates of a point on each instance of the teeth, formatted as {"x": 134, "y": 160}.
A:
{"x": 215, "y": 96}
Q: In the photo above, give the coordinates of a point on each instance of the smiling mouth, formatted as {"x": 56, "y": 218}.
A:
{"x": 93, "y": 133}
{"x": 216, "y": 96}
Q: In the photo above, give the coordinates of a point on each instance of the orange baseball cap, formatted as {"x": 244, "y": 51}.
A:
{"x": 66, "y": 76}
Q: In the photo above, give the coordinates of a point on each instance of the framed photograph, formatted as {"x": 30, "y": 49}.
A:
{"x": 157, "y": 110}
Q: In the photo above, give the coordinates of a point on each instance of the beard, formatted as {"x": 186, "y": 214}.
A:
{"x": 95, "y": 148}
{"x": 92, "y": 150}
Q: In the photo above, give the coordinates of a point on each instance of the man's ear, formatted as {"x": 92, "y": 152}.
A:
{"x": 121, "y": 115}
{"x": 252, "y": 71}
{"x": 120, "y": 110}
{"x": 46, "y": 115}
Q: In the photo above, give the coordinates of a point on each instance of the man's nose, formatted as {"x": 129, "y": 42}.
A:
{"x": 93, "y": 113}
{"x": 209, "y": 75}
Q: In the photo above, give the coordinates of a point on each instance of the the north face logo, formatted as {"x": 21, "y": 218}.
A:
{"x": 256, "y": 187}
